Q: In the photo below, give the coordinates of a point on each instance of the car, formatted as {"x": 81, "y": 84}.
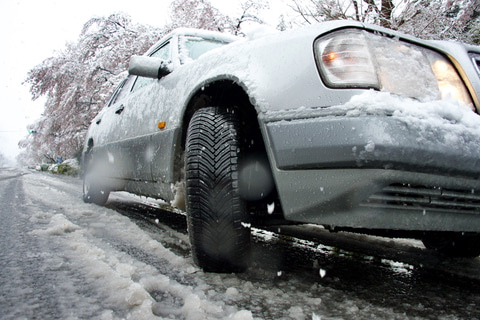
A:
{"x": 341, "y": 124}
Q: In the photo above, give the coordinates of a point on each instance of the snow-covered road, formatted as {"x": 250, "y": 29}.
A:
{"x": 63, "y": 259}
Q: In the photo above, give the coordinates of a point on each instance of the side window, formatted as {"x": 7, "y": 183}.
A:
{"x": 115, "y": 93}
{"x": 162, "y": 53}
{"x": 123, "y": 90}
{"x": 198, "y": 46}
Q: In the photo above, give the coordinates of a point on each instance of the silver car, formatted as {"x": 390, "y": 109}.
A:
{"x": 341, "y": 124}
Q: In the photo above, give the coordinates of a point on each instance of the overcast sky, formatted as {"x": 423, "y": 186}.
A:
{"x": 32, "y": 30}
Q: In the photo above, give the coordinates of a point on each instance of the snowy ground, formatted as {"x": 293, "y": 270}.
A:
{"x": 63, "y": 259}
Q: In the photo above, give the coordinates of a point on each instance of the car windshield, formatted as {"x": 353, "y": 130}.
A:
{"x": 197, "y": 46}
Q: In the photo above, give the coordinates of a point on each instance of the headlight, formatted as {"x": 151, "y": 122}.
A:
{"x": 345, "y": 60}
{"x": 356, "y": 58}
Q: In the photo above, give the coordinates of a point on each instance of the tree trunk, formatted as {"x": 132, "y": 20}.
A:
{"x": 386, "y": 13}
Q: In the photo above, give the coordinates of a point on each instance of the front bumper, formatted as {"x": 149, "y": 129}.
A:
{"x": 373, "y": 142}
{"x": 376, "y": 172}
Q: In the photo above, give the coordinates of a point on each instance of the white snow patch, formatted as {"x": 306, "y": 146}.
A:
{"x": 136, "y": 295}
{"x": 255, "y": 30}
{"x": 242, "y": 315}
{"x": 246, "y": 225}
{"x": 271, "y": 207}
{"x": 370, "y": 146}
{"x": 72, "y": 163}
{"x": 316, "y": 317}
{"x": 296, "y": 312}
{"x": 58, "y": 225}
{"x": 179, "y": 190}
{"x": 444, "y": 113}
{"x": 322, "y": 273}
{"x": 232, "y": 292}
{"x": 399, "y": 267}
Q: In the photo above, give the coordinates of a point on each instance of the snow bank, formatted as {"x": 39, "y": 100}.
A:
{"x": 69, "y": 167}
{"x": 72, "y": 163}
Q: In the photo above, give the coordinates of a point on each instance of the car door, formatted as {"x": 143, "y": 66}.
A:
{"x": 107, "y": 134}
{"x": 138, "y": 122}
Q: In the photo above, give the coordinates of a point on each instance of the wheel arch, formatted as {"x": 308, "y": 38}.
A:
{"x": 222, "y": 92}
{"x": 232, "y": 93}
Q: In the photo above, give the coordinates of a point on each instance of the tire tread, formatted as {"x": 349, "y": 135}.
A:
{"x": 215, "y": 210}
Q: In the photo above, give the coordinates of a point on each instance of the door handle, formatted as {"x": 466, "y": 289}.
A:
{"x": 120, "y": 109}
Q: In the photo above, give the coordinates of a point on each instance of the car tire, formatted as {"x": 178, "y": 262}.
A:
{"x": 93, "y": 192}
{"x": 218, "y": 225}
{"x": 453, "y": 245}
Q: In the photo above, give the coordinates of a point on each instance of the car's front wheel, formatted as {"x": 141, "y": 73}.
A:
{"x": 217, "y": 217}
{"x": 453, "y": 244}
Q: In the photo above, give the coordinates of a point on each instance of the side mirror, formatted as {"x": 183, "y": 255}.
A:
{"x": 149, "y": 67}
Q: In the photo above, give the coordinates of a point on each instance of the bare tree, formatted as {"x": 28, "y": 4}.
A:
{"x": 250, "y": 13}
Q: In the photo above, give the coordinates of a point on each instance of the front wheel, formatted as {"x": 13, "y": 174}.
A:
{"x": 217, "y": 218}
{"x": 454, "y": 244}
